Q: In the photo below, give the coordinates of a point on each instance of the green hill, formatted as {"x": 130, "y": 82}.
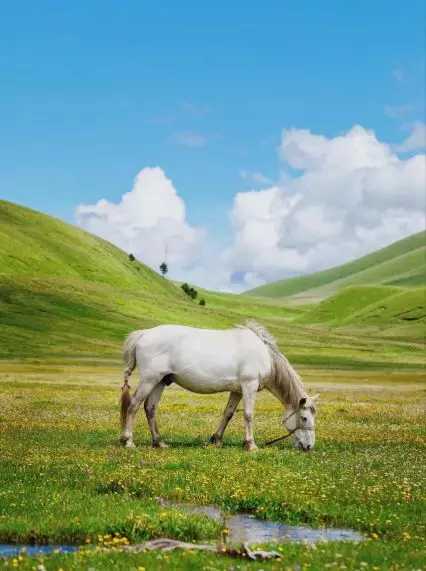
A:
{"x": 66, "y": 295}
{"x": 34, "y": 244}
{"x": 401, "y": 263}
{"x": 390, "y": 311}
{"x": 65, "y": 292}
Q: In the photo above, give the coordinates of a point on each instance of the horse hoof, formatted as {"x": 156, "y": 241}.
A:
{"x": 160, "y": 444}
{"x": 250, "y": 446}
{"x": 129, "y": 444}
{"x": 215, "y": 441}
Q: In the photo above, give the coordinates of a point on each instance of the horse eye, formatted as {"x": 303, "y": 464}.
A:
{"x": 304, "y": 418}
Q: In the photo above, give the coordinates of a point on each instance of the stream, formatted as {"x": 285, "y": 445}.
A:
{"x": 242, "y": 528}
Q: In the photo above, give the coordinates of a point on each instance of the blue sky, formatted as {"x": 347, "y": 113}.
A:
{"x": 93, "y": 92}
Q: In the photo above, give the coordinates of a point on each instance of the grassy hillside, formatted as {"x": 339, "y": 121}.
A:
{"x": 37, "y": 245}
{"x": 389, "y": 310}
{"x": 67, "y": 295}
{"x": 401, "y": 263}
{"x": 66, "y": 292}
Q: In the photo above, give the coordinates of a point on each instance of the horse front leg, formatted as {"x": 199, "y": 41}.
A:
{"x": 249, "y": 398}
{"x": 145, "y": 387}
{"x": 228, "y": 413}
{"x": 150, "y": 405}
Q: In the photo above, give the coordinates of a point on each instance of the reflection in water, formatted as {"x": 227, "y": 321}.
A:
{"x": 245, "y": 528}
{"x": 14, "y": 550}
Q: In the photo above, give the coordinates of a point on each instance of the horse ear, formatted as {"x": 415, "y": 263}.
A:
{"x": 302, "y": 402}
{"x": 315, "y": 397}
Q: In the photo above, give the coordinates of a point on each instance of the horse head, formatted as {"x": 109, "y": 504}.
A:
{"x": 300, "y": 422}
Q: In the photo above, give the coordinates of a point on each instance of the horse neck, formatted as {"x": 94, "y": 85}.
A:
{"x": 285, "y": 382}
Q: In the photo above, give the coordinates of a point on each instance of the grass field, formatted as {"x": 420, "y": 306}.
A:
{"x": 64, "y": 478}
{"x": 67, "y": 299}
{"x": 387, "y": 311}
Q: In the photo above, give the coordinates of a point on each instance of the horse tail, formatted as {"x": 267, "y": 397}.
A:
{"x": 126, "y": 399}
{"x": 129, "y": 353}
{"x": 129, "y": 358}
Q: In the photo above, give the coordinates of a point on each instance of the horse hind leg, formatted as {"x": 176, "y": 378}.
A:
{"x": 228, "y": 413}
{"x": 132, "y": 406}
{"x": 150, "y": 405}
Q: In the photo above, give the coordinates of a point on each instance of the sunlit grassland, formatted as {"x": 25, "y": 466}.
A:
{"x": 373, "y": 310}
{"x": 63, "y": 477}
{"x": 61, "y": 320}
{"x": 67, "y": 299}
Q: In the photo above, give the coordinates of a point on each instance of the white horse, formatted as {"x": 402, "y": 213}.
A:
{"x": 241, "y": 361}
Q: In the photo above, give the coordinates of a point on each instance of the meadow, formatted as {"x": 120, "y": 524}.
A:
{"x": 65, "y": 479}
{"x": 67, "y": 299}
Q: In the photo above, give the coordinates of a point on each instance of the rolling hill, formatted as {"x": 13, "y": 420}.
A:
{"x": 66, "y": 292}
{"x": 66, "y": 295}
{"x": 388, "y": 310}
{"x": 402, "y": 263}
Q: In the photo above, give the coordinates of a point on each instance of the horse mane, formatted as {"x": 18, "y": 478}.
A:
{"x": 284, "y": 378}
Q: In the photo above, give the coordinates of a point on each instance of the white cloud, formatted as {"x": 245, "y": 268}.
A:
{"x": 147, "y": 221}
{"x": 416, "y": 140}
{"x": 189, "y": 139}
{"x": 353, "y": 194}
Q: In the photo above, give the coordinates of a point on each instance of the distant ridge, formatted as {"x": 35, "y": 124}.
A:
{"x": 403, "y": 263}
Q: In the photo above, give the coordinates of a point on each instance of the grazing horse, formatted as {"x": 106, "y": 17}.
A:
{"x": 241, "y": 361}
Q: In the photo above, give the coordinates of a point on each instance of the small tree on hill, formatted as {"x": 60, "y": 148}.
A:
{"x": 164, "y": 268}
{"x": 190, "y": 291}
{"x": 202, "y": 301}
{"x": 132, "y": 258}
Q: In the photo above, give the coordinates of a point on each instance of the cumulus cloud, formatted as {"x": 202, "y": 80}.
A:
{"x": 148, "y": 221}
{"x": 352, "y": 194}
{"x": 341, "y": 197}
{"x": 416, "y": 140}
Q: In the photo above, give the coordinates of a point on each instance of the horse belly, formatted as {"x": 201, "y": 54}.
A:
{"x": 205, "y": 384}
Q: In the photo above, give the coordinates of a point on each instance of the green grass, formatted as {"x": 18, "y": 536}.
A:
{"x": 65, "y": 292}
{"x": 67, "y": 299}
{"x": 52, "y": 320}
{"x": 79, "y": 300}
{"x": 36, "y": 245}
{"x": 67, "y": 295}
{"x": 403, "y": 261}
{"x": 390, "y": 311}
{"x": 64, "y": 478}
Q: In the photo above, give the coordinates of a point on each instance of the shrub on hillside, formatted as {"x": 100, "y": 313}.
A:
{"x": 190, "y": 291}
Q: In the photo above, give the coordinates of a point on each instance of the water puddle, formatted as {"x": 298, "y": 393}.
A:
{"x": 243, "y": 528}
{"x": 7, "y": 550}
{"x": 246, "y": 528}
